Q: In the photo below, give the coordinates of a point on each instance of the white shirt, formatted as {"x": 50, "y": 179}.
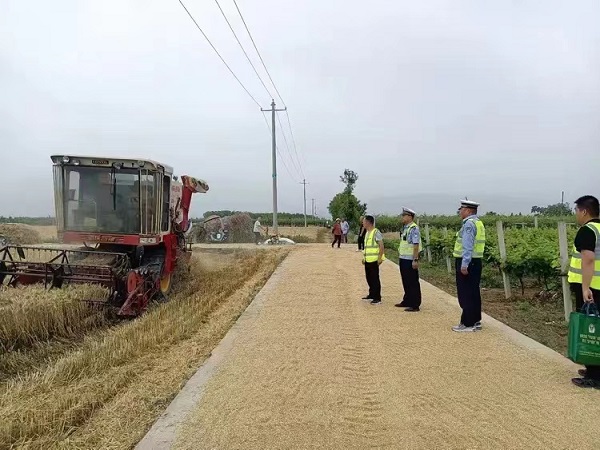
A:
{"x": 257, "y": 227}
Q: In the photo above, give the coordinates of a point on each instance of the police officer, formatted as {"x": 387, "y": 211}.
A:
{"x": 374, "y": 255}
{"x": 408, "y": 251}
{"x": 584, "y": 273}
{"x": 468, "y": 251}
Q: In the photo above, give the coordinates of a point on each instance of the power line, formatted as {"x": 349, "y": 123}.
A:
{"x": 293, "y": 140}
{"x": 272, "y": 82}
{"x": 259, "y": 55}
{"x": 219, "y": 55}
{"x": 288, "y": 148}
{"x": 242, "y": 47}
{"x": 278, "y": 152}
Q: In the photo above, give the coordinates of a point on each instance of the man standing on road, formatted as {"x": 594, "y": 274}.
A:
{"x": 408, "y": 252}
{"x": 374, "y": 255}
{"x": 336, "y": 230}
{"x": 468, "y": 251}
{"x": 361, "y": 234}
{"x": 584, "y": 273}
{"x": 345, "y": 229}
{"x": 257, "y": 231}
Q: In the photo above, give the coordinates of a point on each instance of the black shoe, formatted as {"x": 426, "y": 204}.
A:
{"x": 412, "y": 309}
{"x": 586, "y": 383}
{"x": 401, "y": 305}
{"x": 375, "y": 302}
{"x": 582, "y": 372}
{"x": 366, "y": 297}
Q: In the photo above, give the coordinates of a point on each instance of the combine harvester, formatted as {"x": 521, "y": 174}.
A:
{"x": 131, "y": 217}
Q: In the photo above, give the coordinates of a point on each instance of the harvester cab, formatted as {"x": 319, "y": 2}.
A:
{"x": 131, "y": 215}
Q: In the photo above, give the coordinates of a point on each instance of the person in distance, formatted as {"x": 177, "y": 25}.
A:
{"x": 373, "y": 256}
{"x": 408, "y": 254}
{"x": 468, "y": 252}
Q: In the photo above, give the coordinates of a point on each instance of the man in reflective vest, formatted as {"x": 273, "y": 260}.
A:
{"x": 373, "y": 256}
{"x": 408, "y": 253}
{"x": 468, "y": 251}
{"x": 584, "y": 273}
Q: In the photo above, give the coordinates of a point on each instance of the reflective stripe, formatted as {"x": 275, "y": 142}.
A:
{"x": 580, "y": 271}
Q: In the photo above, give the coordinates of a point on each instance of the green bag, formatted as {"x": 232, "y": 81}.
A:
{"x": 584, "y": 336}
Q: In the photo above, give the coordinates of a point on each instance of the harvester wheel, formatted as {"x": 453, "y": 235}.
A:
{"x": 166, "y": 281}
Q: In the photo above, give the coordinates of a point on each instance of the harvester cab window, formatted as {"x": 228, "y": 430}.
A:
{"x": 99, "y": 199}
{"x": 149, "y": 202}
{"x": 166, "y": 202}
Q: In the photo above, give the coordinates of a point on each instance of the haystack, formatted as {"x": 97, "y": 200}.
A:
{"x": 16, "y": 233}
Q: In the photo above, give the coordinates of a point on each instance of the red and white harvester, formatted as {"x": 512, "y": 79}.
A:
{"x": 131, "y": 217}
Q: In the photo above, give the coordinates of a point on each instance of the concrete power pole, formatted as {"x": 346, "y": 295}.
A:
{"x": 274, "y": 160}
{"x": 304, "y": 183}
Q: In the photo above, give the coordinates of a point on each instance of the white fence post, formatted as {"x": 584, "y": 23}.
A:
{"x": 428, "y": 242}
{"x": 564, "y": 265}
{"x": 502, "y": 249}
{"x": 448, "y": 260}
{"x": 535, "y": 221}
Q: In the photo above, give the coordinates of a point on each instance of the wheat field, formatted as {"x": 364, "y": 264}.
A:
{"x": 120, "y": 378}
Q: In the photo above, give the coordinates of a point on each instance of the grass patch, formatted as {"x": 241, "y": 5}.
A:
{"x": 109, "y": 391}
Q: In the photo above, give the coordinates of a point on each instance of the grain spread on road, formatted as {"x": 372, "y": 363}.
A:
{"x": 319, "y": 368}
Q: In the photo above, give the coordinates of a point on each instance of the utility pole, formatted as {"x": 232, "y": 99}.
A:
{"x": 312, "y": 205}
{"x": 304, "y": 183}
{"x": 274, "y": 160}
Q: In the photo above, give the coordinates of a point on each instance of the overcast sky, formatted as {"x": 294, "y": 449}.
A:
{"x": 428, "y": 101}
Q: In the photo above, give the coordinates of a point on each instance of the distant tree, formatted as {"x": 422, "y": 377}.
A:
{"x": 555, "y": 210}
{"x": 349, "y": 178}
{"x": 492, "y": 213}
{"x": 345, "y": 204}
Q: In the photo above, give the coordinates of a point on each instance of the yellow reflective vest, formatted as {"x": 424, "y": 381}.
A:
{"x": 406, "y": 249}
{"x": 479, "y": 240}
{"x": 371, "y": 251}
{"x": 575, "y": 271}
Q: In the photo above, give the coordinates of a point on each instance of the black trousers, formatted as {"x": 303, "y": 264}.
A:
{"x": 257, "y": 237}
{"x": 592, "y": 371}
{"x": 361, "y": 242}
{"x": 336, "y": 238}
{"x": 469, "y": 294}
{"x": 411, "y": 283}
{"x": 372, "y": 274}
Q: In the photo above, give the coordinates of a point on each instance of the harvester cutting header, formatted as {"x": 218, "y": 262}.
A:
{"x": 136, "y": 215}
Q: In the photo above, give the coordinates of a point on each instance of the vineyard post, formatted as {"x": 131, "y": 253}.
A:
{"x": 448, "y": 261}
{"x": 428, "y": 242}
{"x": 535, "y": 221}
{"x": 502, "y": 249}
{"x": 564, "y": 263}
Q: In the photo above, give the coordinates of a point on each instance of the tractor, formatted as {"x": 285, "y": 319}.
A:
{"x": 124, "y": 224}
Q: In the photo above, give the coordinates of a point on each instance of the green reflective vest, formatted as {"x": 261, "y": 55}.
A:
{"x": 371, "y": 251}
{"x": 575, "y": 272}
{"x": 406, "y": 249}
{"x": 479, "y": 240}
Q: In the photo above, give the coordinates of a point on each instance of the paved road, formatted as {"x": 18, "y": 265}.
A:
{"x": 312, "y": 366}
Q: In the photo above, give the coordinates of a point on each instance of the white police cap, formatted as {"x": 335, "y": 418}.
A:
{"x": 469, "y": 204}
{"x": 408, "y": 211}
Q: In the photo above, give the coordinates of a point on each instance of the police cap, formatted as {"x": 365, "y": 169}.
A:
{"x": 408, "y": 211}
{"x": 469, "y": 204}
